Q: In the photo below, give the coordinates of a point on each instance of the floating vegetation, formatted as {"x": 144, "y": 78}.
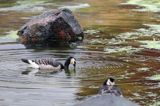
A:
{"x": 153, "y": 31}
{"x": 126, "y": 49}
{"x": 149, "y": 5}
{"x": 155, "y": 77}
{"x": 29, "y": 5}
{"x": 98, "y": 42}
{"x": 75, "y": 7}
{"x": 91, "y": 31}
{"x": 151, "y": 44}
{"x": 10, "y": 36}
{"x": 143, "y": 69}
{"x": 157, "y": 103}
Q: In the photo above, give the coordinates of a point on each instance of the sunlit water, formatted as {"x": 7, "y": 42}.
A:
{"x": 120, "y": 41}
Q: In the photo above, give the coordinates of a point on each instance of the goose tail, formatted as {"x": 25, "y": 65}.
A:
{"x": 25, "y": 61}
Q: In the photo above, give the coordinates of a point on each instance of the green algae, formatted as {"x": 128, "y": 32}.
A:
{"x": 12, "y": 34}
{"x": 155, "y": 77}
{"x": 150, "y": 5}
{"x": 7, "y": 3}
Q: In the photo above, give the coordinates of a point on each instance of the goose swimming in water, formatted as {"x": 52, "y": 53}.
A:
{"x": 109, "y": 87}
{"x": 50, "y": 64}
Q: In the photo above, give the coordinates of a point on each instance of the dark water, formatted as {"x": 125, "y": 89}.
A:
{"x": 121, "y": 40}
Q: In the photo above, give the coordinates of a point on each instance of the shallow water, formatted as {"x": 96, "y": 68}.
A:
{"x": 120, "y": 41}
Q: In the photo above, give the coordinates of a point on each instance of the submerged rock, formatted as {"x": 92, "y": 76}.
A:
{"x": 107, "y": 100}
{"x": 52, "y": 28}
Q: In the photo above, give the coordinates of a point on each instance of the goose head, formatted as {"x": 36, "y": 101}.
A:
{"x": 70, "y": 60}
{"x": 109, "y": 82}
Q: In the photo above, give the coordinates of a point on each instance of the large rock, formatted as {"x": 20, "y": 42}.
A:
{"x": 51, "y": 29}
{"x": 106, "y": 100}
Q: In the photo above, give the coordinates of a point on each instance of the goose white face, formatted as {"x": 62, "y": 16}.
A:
{"x": 72, "y": 61}
{"x": 110, "y": 83}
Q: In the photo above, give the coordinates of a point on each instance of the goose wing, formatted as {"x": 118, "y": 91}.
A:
{"x": 44, "y": 61}
{"x": 48, "y": 64}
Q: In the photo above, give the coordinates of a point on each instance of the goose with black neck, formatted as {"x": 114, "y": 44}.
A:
{"x": 51, "y": 64}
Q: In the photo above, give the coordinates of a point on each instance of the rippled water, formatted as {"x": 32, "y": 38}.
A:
{"x": 119, "y": 42}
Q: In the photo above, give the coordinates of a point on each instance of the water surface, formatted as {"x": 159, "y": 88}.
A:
{"x": 121, "y": 40}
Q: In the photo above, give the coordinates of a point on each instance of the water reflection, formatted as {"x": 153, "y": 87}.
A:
{"x": 37, "y": 72}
